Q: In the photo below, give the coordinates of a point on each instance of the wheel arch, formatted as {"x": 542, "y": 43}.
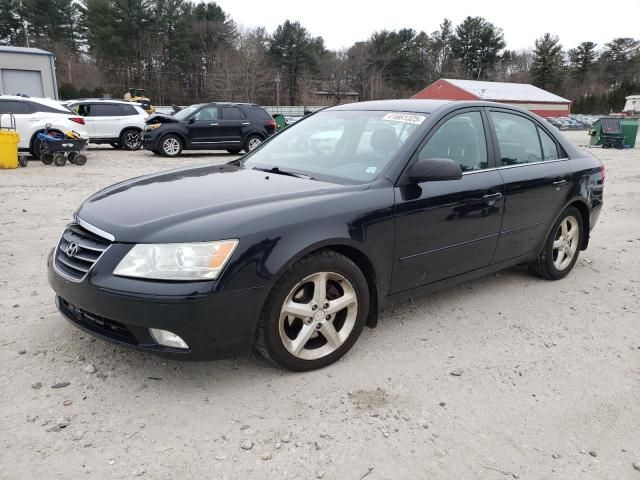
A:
{"x": 181, "y": 136}
{"x": 581, "y": 205}
{"x": 357, "y": 255}
{"x": 132, "y": 127}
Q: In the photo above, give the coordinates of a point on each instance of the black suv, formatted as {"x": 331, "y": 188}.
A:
{"x": 209, "y": 126}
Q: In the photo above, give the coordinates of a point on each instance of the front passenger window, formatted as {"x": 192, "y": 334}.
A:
{"x": 460, "y": 139}
{"x": 207, "y": 114}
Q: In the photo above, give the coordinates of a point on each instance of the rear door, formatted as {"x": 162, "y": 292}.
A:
{"x": 84, "y": 110}
{"x": 204, "y": 127}
{"x": 106, "y": 119}
{"x": 447, "y": 228}
{"x": 537, "y": 181}
{"x": 233, "y": 123}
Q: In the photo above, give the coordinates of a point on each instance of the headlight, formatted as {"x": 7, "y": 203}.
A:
{"x": 177, "y": 261}
{"x": 152, "y": 126}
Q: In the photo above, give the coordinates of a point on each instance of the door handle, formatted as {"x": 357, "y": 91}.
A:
{"x": 558, "y": 183}
{"x": 246, "y": 123}
{"x": 492, "y": 198}
{"x": 214, "y": 124}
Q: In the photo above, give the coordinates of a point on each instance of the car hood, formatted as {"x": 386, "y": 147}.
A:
{"x": 161, "y": 118}
{"x": 200, "y": 203}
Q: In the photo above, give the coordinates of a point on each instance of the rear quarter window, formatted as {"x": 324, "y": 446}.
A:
{"x": 260, "y": 113}
{"x": 127, "y": 110}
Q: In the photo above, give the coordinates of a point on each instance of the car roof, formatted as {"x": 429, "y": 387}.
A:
{"x": 43, "y": 101}
{"x": 106, "y": 100}
{"x": 417, "y": 105}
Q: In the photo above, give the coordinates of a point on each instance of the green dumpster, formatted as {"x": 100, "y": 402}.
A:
{"x": 630, "y": 131}
{"x": 280, "y": 121}
{"x": 610, "y": 132}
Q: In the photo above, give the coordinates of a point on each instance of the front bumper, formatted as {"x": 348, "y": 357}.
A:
{"x": 213, "y": 324}
{"x": 151, "y": 139}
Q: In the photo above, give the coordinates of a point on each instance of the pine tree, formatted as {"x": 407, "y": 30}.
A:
{"x": 477, "y": 43}
{"x": 548, "y": 63}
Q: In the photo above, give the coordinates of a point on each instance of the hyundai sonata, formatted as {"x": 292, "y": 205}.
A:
{"x": 295, "y": 247}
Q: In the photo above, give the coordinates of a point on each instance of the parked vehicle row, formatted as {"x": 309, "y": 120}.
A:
{"x": 125, "y": 125}
{"x": 573, "y": 122}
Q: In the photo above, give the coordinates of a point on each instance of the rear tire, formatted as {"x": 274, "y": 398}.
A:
{"x": 252, "y": 142}
{"x": 131, "y": 139}
{"x": 170, "y": 146}
{"x": 561, "y": 248}
{"x": 329, "y": 298}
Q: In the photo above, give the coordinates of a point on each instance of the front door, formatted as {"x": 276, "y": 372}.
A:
{"x": 446, "y": 228}
{"x": 537, "y": 181}
{"x": 204, "y": 127}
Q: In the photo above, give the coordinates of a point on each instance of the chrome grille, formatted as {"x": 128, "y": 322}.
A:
{"x": 78, "y": 250}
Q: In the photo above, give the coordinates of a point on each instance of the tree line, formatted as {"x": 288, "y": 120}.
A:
{"x": 182, "y": 52}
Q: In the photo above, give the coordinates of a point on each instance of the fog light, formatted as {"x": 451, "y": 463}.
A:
{"x": 167, "y": 338}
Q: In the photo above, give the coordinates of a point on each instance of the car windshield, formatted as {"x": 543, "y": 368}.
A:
{"x": 352, "y": 146}
{"x": 185, "y": 112}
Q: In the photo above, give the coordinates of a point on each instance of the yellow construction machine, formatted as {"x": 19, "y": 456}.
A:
{"x": 139, "y": 95}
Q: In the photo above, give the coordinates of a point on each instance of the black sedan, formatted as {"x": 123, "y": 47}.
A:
{"x": 295, "y": 247}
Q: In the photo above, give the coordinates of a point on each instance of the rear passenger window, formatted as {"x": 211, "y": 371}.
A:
{"x": 232, "y": 113}
{"x": 461, "y": 139}
{"x": 549, "y": 147}
{"x": 517, "y": 139}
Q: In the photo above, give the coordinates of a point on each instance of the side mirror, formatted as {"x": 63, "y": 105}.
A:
{"x": 191, "y": 120}
{"x": 435, "y": 169}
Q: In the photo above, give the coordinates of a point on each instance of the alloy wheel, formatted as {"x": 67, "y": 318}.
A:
{"x": 132, "y": 140}
{"x": 565, "y": 244}
{"x": 318, "y": 315}
{"x": 254, "y": 142}
{"x": 171, "y": 146}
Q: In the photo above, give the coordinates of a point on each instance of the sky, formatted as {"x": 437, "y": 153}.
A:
{"x": 343, "y": 22}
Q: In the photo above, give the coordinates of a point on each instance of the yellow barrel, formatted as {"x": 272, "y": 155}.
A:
{"x": 9, "y": 149}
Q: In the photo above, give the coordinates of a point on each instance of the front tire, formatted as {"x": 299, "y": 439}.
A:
{"x": 561, "y": 248}
{"x": 170, "y": 146}
{"x": 315, "y": 312}
{"x": 131, "y": 139}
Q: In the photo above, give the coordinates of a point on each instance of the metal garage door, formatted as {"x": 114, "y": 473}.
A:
{"x": 28, "y": 82}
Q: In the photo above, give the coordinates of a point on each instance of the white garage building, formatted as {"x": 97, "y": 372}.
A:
{"x": 28, "y": 71}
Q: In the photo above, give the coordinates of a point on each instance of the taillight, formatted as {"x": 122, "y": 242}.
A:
{"x": 78, "y": 120}
{"x": 271, "y": 123}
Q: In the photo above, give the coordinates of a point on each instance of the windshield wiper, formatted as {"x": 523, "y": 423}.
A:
{"x": 279, "y": 171}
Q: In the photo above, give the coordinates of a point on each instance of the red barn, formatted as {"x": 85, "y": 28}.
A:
{"x": 523, "y": 95}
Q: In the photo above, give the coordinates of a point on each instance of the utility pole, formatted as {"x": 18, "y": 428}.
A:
{"x": 278, "y": 92}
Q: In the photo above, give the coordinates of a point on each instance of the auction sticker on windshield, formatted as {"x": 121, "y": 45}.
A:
{"x": 404, "y": 117}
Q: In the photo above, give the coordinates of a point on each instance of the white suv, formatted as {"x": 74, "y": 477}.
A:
{"x": 115, "y": 122}
{"x": 32, "y": 115}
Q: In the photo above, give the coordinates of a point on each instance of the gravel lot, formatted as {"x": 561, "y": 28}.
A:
{"x": 503, "y": 377}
